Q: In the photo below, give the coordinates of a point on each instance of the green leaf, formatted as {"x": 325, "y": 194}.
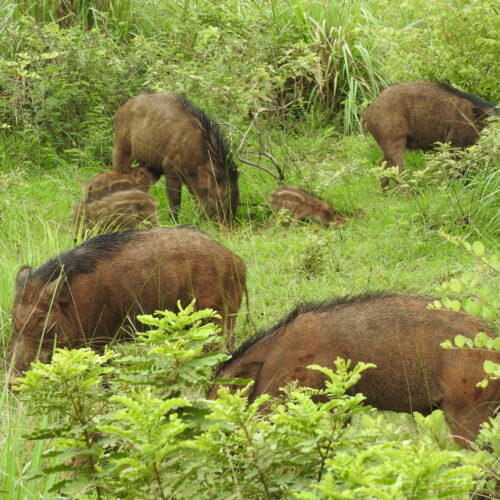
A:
{"x": 496, "y": 344}
{"x": 478, "y": 248}
{"x": 446, "y": 344}
{"x": 472, "y": 306}
{"x": 484, "y": 293}
{"x": 481, "y": 339}
{"x": 490, "y": 367}
{"x": 460, "y": 340}
{"x": 455, "y": 286}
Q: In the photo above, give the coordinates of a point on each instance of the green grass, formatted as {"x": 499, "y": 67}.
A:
{"x": 244, "y": 56}
{"x": 392, "y": 245}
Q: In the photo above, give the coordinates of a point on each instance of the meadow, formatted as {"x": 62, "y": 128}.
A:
{"x": 308, "y": 69}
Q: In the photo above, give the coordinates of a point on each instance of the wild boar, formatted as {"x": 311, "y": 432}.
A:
{"x": 303, "y": 206}
{"x": 92, "y": 293}
{"x": 171, "y": 136}
{"x": 108, "y": 182}
{"x": 416, "y": 115}
{"x": 125, "y": 209}
{"x": 397, "y": 333}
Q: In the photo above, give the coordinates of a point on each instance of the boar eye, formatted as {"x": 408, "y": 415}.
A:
{"x": 41, "y": 318}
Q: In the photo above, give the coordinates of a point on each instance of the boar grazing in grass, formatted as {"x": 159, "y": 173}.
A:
{"x": 109, "y": 182}
{"x": 303, "y": 206}
{"x": 91, "y": 294}
{"x": 118, "y": 210}
{"x": 397, "y": 333}
{"x": 416, "y": 115}
{"x": 173, "y": 137}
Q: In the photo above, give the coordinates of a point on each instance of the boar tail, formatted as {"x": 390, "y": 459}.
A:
{"x": 248, "y": 319}
{"x": 363, "y": 125}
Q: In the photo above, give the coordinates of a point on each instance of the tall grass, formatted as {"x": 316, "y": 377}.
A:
{"x": 347, "y": 72}
{"x": 104, "y": 14}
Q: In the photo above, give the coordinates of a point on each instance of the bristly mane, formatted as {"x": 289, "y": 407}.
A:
{"x": 213, "y": 138}
{"x": 326, "y": 305}
{"x": 84, "y": 258}
{"x": 481, "y": 103}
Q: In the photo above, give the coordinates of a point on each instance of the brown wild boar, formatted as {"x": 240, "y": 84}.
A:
{"x": 399, "y": 334}
{"x": 172, "y": 136}
{"x": 125, "y": 209}
{"x": 108, "y": 182}
{"x": 303, "y": 205}
{"x": 92, "y": 293}
{"x": 416, "y": 115}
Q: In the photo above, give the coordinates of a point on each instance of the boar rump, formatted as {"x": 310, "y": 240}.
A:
{"x": 397, "y": 333}
{"x": 416, "y": 115}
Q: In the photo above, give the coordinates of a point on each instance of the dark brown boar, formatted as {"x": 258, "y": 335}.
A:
{"x": 173, "y": 137}
{"x": 109, "y": 182}
{"x": 303, "y": 206}
{"x": 89, "y": 294}
{"x": 397, "y": 333}
{"x": 416, "y": 115}
{"x": 125, "y": 209}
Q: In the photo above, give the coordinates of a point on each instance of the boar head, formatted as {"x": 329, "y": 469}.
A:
{"x": 143, "y": 177}
{"x": 39, "y": 319}
{"x": 218, "y": 196}
{"x": 245, "y": 370}
{"x": 323, "y": 213}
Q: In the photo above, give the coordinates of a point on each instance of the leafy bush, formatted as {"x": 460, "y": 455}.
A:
{"x": 467, "y": 179}
{"x": 446, "y": 41}
{"x": 60, "y": 87}
{"x": 116, "y": 14}
{"x": 130, "y": 425}
{"x": 478, "y": 300}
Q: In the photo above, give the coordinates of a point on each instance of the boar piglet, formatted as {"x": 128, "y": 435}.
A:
{"x": 303, "y": 206}
{"x": 125, "y": 209}
{"x": 171, "y": 136}
{"x": 109, "y": 182}
{"x": 416, "y": 115}
{"x": 87, "y": 295}
{"x": 397, "y": 333}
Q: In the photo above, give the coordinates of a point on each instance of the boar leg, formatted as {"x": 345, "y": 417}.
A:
{"x": 174, "y": 186}
{"x": 393, "y": 156}
{"x": 122, "y": 157}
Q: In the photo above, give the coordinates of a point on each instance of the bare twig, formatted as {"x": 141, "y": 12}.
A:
{"x": 270, "y": 157}
{"x": 244, "y": 136}
{"x": 261, "y": 168}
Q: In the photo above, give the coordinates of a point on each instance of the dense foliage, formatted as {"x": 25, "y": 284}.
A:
{"x": 132, "y": 422}
{"x": 123, "y": 427}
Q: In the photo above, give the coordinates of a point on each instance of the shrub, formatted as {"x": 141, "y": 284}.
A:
{"x": 131, "y": 425}
{"x": 60, "y": 87}
{"x": 446, "y": 41}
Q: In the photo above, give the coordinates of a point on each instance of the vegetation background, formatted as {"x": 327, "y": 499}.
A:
{"x": 302, "y": 72}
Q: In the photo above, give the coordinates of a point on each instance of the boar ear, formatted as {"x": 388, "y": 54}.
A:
{"x": 203, "y": 178}
{"x": 21, "y": 278}
{"x": 58, "y": 290}
{"x": 250, "y": 370}
{"x": 480, "y": 114}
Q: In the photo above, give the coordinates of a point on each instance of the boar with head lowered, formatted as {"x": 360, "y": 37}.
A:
{"x": 106, "y": 183}
{"x": 171, "y": 136}
{"x": 92, "y": 293}
{"x": 399, "y": 334}
{"x": 416, "y": 115}
{"x": 125, "y": 209}
{"x": 303, "y": 206}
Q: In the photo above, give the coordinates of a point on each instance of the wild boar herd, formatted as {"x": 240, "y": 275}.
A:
{"x": 91, "y": 294}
